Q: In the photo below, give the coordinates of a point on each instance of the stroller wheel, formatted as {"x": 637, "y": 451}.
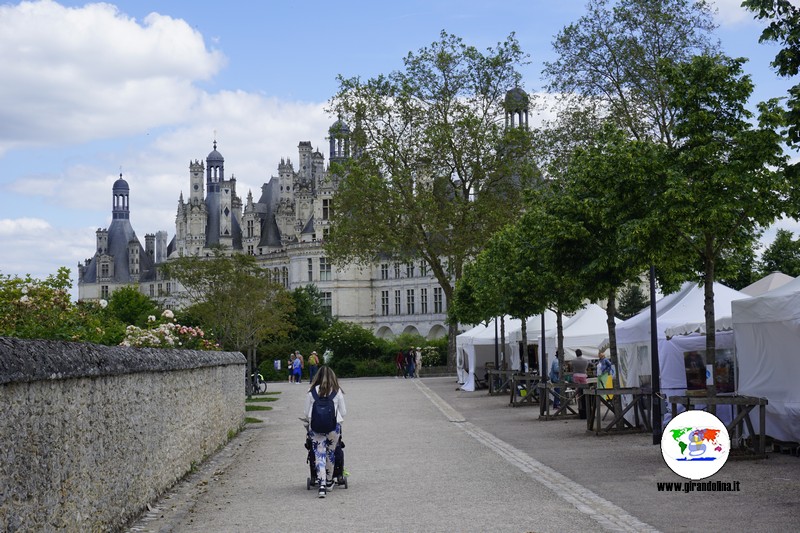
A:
{"x": 308, "y": 483}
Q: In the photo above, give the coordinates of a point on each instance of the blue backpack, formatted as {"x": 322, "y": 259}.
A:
{"x": 323, "y": 413}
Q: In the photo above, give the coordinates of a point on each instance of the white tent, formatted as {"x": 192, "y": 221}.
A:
{"x": 476, "y": 347}
{"x": 767, "y": 283}
{"x": 672, "y": 354}
{"x": 586, "y": 330}
{"x": 672, "y": 311}
{"x": 767, "y": 334}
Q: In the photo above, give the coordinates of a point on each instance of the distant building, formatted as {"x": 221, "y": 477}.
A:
{"x": 284, "y": 229}
{"x": 119, "y": 258}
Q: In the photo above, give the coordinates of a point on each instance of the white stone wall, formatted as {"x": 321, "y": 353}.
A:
{"x": 89, "y": 435}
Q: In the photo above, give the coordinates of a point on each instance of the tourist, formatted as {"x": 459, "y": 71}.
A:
{"x": 399, "y": 362}
{"x": 313, "y": 364}
{"x": 417, "y": 361}
{"x": 324, "y": 444}
{"x": 302, "y": 364}
{"x": 297, "y": 371}
{"x": 290, "y": 366}
{"x": 579, "y": 377}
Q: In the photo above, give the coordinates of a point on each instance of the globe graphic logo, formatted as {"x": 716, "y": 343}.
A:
{"x": 695, "y": 444}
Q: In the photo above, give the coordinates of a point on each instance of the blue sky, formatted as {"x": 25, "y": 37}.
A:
{"x": 143, "y": 87}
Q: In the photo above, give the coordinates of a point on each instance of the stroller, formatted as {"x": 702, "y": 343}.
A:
{"x": 339, "y": 477}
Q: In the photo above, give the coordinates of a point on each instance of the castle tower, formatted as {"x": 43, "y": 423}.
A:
{"x": 517, "y": 107}
{"x": 196, "y": 187}
{"x": 339, "y": 136}
{"x": 120, "y": 209}
{"x": 215, "y": 169}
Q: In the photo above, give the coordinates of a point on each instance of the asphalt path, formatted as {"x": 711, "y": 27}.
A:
{"x": 424, "y": 456}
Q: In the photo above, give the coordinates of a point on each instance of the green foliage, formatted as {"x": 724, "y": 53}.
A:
{"x": 632, "y": 299}
{"x": 351, "y": 341}
{"x": 605, "y": 60}
{"x": 436, "y": 171}
{"x": 782, "y": 255}
{"x": 41, "y": 309}
{"x": 310, "y": 318}
{"x": 784, "y": 29}
{"x": 132, "y": 307}
{"x": 234, "y": 298}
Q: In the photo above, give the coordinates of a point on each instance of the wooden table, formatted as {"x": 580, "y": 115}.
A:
{"x": 569, "y": 392}
{"x": 597, "y": 399}
{"x": 499, "y": 380}
{"x": 531, "y": 383}
{"x": 743, "y": 406}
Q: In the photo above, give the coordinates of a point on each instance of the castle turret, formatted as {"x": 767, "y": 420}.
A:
{"x": 121, "y": 192}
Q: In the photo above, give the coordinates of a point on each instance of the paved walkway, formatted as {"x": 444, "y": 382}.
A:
{"x": 424, "y": 456}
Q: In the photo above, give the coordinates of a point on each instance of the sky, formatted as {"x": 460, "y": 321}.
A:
{"x": 142, "y": 88}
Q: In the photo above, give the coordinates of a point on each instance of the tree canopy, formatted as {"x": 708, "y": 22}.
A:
{"x": 233, "y": 297}
{"x": 435, "y": 170}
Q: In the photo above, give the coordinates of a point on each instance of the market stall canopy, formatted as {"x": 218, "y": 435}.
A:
{"x": 767, "y": 336}
{"x": 767, "y": 283}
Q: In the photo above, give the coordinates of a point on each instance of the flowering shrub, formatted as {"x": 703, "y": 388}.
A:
{"x": 168, "y": 334}
{"x": 41, "y": 309}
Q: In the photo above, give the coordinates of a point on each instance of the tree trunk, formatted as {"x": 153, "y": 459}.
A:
{"x": 452, "y": 333}
{"x": 611, "y": 311}
{"x": 560, "y": 342}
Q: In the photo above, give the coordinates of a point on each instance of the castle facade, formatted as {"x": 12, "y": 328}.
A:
{"x": 284, "y": 228}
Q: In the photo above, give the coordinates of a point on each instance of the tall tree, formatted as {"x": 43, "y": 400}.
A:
{"x": 436, "y": 170}
{"x": 782, "y": 255}
{"x": 235, "y": 298}
{"x": 607, "y": 60}
{"x": 725, "y": 184}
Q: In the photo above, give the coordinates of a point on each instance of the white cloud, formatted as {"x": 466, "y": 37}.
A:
{"x": 77, "y": 74}
{"x": 23, "y": 226}
{"x": 731, "y": 12}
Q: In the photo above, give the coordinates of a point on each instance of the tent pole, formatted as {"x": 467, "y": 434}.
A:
{"x": 543, "y": 372}
{"x": 496, "y": 347}
{"x": 655, "y": 376}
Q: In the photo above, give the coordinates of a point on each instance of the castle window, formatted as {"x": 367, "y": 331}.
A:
{"x": 410, "y": 270}
{"x": 326, "y": 302}
{"x": 310, "y": 269}
{"x": 250, "y": 226}
{"x": 397, "y": 302}
{"x": 250, "y": 250}
{"x": 160, "y": 289}
{"x": 285, "y": 275}
{"x": 437, "y": 300}
{"x": 169, "y": 287}
{"x": 385, "y": 303}
{"x": 385, "y": 271}
{"x": 327, "y": 213}
{"x": 423, "y": 268}
{"x": 410, "y": 307}
{"x": 397, "y": 271}
{"x": 423, "y": 301}
{"x": 324, "y": 269}
{"x": 104, "y": 270}
{"x": 152, "y": 290}
{"x": 104, "y": 292}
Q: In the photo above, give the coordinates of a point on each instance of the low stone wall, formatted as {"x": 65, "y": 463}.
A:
{"x": 90, "y": 434}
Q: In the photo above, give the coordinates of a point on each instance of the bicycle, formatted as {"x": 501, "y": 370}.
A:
{"x": 259, "y": 385}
